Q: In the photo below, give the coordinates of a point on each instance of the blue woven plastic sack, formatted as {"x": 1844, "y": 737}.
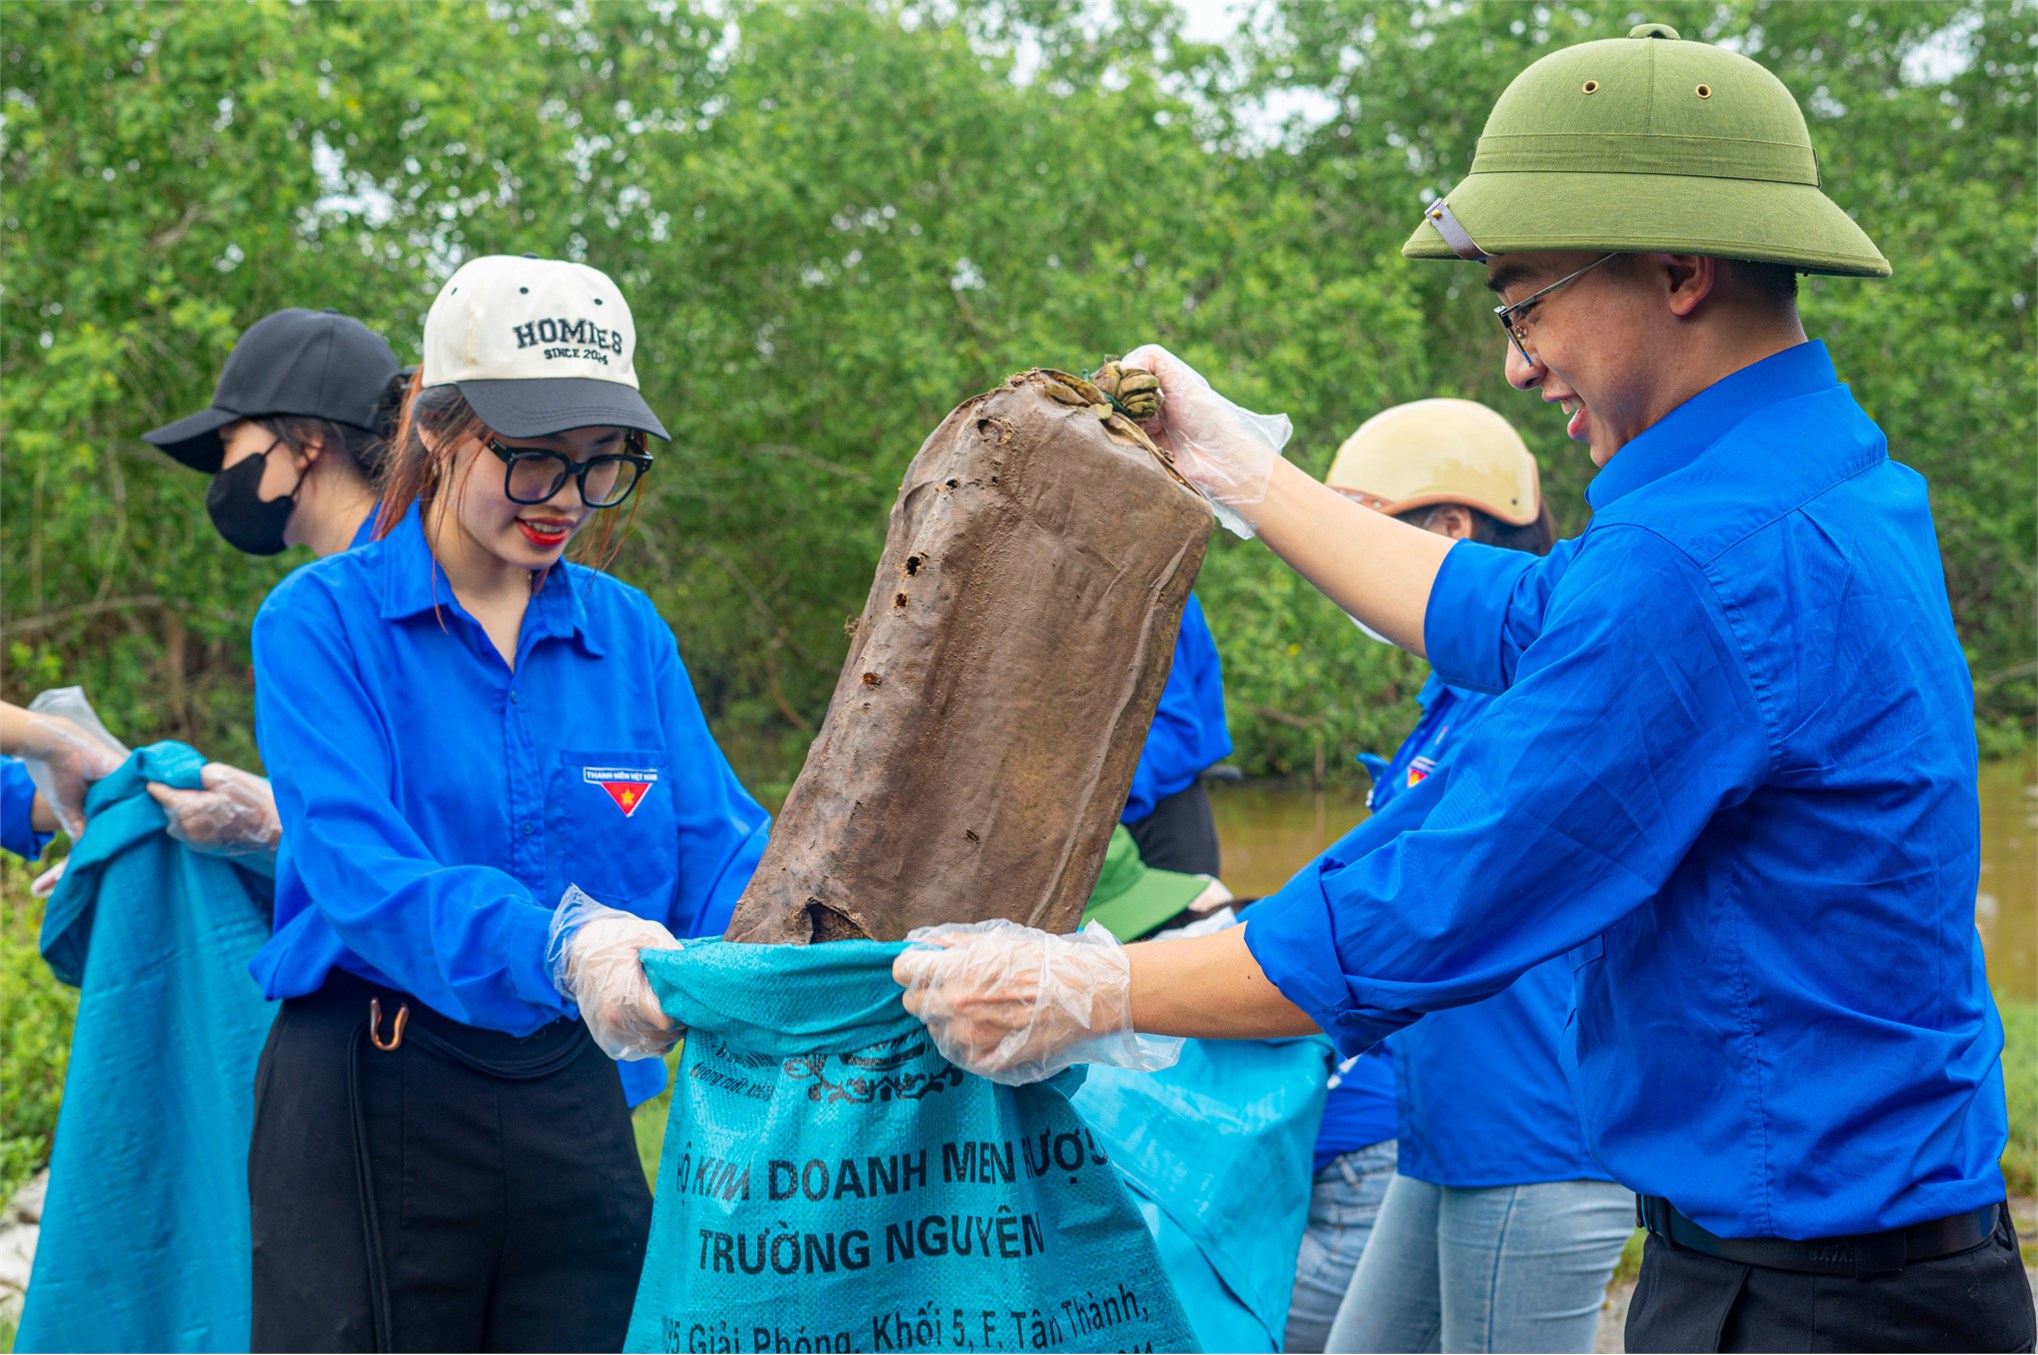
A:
{"x": 1217, "y": 1152}
{"x": 144, "y": 1241}
{"x": 830, "y": 1182}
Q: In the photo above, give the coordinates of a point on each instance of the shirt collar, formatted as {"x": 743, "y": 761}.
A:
{"x": 366, "y": 531}
{"x": 1677, "y": 439}
{"x": 414, "y": 583}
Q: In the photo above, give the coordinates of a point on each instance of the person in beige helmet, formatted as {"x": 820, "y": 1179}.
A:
{"x": 1497, "y": 1230}
{"x": 1729, "y": 771}
{"x": 1453, "y": 467}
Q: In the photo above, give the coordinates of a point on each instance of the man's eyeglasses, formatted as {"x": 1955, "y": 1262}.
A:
{"x": 535, "y": 474}
{"x": 1514, "y": 318}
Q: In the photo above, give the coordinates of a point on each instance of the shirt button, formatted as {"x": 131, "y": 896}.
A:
{"x": 529, "y": 828}
{"x": 516, "y": 697}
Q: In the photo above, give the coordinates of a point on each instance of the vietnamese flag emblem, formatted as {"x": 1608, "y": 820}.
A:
{"x": 627, "y": 786}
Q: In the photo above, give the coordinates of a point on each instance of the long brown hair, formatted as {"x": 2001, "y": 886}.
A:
{"x": 415, "y": 472}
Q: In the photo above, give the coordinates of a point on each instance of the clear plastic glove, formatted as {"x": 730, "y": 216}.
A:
{"x": 591, "y": 954}
{"x": 1016, "y": 1004}
{"x": 1225, "y": 451}
{"x": 67, "y": 749}
{"x": 235, "y": 815}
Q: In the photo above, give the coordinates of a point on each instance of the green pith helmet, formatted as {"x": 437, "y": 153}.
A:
{"x": 1646, "y": 143}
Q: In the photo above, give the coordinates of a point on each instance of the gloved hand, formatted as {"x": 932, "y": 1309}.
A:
{"x": 1225, "y": 451}
{"x": 591, "y": 954}
{"x": 1016, "y": 1004}
{"x": 66, "y": 758}
{"x": 235, "y": 815}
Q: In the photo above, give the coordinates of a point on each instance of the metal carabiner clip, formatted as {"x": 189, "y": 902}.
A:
{"x": 395, "y": 1030}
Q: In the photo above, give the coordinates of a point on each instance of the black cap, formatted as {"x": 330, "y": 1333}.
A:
{"x": 312, "y": 364}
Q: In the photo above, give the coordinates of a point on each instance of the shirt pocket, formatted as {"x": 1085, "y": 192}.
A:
{"x": 615, "y": 829}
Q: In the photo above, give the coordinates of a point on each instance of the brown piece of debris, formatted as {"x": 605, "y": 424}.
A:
{"x": 999, "y": 684}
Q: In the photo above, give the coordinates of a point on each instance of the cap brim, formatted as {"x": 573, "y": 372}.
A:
{"x": 541, "y": 407}
{"x": 1158, "y": 898}
{"x": 1521, "y": 213}
{"x": 195, "y": 440}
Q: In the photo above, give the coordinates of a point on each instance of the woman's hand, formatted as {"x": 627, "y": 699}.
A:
{"x": 1016, "y": 1004}
{"x": 1225, "y": 451}
{"x": 591, "y": 953}
{"x": 235, "y": 815}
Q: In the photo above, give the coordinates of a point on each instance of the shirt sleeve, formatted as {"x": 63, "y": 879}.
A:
{"x": 1178, "y": 741}
{"x": 1486, "y": 607}
{"x": 1629, "y": 723}
{"x": 722, "y": 830}
{"x": 17, "y": 811}
{"x": 467, "y": 940}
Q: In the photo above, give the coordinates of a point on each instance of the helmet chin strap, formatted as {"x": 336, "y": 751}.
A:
{"x": 1454, "y": 232}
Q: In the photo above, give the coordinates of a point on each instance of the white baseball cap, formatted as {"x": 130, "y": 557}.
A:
{"x": 537, "y": 346}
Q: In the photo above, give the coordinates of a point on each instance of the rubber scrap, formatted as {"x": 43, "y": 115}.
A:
{"x": 1000, "y": 680}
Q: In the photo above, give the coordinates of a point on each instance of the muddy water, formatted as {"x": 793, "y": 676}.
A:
{"x": 1269, "y": 831}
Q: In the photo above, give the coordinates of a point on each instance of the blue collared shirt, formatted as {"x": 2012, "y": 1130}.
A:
{"x": 17, "y": 811}
{"x": 1730, "y": 774}
{"x": 436, "y": 804}
{"x": 1482, "y": 1096}
{"x": 1188, "y": 733}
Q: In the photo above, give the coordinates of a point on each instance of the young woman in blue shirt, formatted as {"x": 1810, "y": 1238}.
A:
{"x": 496, "y": 787}
{"x": 1498, "y": 1230}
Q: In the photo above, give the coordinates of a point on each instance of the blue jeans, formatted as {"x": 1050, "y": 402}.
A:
{"x": 1516, "y": 1268}
{"x": 1343, "y": 1203}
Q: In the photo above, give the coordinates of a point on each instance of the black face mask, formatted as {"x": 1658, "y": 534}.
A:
{"x": 249, "y": 522}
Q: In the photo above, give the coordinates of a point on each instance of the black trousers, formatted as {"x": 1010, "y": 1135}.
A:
{"x": 467, "y": 1190}
{"x": 1977, "y": 1300}
{"x": 1180, "y": 834}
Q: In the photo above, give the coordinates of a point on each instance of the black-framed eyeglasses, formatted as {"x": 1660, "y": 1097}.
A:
{"x": 535, "y": 474}
{"x": 1514, "y": 318}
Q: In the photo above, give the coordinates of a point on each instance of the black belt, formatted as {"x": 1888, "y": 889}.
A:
{"x": 1861, "y": 1256}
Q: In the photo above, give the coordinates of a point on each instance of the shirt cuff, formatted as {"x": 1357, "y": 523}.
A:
{"x": 1464, "y": 629}
{"x": 17, "y": 814}
{"x": 1290, "y": 933}
{"x": 526, "y": 931}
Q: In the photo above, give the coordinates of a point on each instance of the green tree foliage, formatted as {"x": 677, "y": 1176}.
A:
{"x": 836, "y": 220}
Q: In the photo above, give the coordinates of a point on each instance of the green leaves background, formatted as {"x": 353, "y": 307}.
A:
{"x": 836, "y": 220}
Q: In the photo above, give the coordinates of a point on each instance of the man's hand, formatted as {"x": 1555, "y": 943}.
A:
{"x": 1016, "y": 1004}
{"x": 1225, "y": 451}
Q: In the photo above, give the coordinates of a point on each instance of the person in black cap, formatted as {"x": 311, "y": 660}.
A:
{"x": 322, "y": 389}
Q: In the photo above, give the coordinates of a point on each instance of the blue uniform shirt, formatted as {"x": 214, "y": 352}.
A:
{"x": 17, "y": 811}
{"x": 1188, "y": 732}
{"x": 1359, "y": 1110}
{"x": 1730, "y": 774}
{"x": 436, "y": 805}
{"x": 1482, "y": 1096}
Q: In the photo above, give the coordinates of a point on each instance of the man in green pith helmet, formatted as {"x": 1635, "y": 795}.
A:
{"x": 1729, "y": 770}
